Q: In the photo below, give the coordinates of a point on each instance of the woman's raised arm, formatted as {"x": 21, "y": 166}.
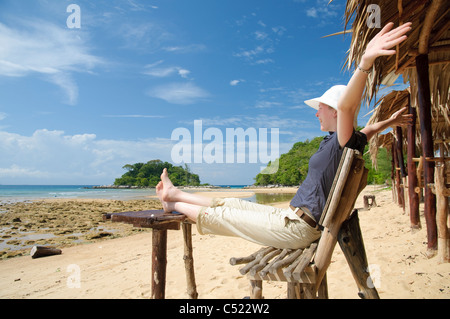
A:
{"x": 350, "y": 100}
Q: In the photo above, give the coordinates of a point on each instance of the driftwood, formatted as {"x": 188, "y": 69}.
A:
{"x": 42, "y": 251}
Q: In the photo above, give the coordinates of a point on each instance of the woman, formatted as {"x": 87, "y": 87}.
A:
{"x": 296, "y": 226}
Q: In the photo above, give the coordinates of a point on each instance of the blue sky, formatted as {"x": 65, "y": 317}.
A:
{"x": 76, "y": 104}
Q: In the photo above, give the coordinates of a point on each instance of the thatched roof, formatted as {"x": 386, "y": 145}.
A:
{"x": 430, "y": 34}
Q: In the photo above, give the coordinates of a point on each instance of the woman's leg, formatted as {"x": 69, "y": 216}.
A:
{"x": 169, "y": 193}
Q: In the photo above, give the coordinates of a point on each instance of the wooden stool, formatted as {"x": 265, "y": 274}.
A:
{"x": 369, "y": 201}
{"x": 160, "y": 222}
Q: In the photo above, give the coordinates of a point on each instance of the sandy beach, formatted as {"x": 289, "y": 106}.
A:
{"x": 114, "y": 260}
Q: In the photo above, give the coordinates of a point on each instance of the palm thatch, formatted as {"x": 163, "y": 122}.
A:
{"x": 430, "y": 35}
{"x": 385, "y": 107}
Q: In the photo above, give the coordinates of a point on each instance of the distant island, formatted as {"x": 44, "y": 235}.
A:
{"x": 140, "y": 175}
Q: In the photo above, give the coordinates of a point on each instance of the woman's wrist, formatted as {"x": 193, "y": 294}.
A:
{"x": 365, "y": 63}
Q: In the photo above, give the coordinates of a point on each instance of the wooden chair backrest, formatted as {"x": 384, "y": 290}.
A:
{"x": 350, "y": 180}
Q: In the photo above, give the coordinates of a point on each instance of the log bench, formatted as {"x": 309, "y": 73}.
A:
{"x": 304, "y": 270}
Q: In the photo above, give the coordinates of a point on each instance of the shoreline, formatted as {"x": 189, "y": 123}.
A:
{"x": 64, "y": 222}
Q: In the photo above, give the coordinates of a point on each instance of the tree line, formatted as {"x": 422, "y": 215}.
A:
{"x": 293, "y": 165}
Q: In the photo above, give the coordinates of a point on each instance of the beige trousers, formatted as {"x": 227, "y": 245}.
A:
{"x": 261, "y": 224}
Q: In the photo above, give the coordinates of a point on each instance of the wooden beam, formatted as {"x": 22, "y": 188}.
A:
{"x": 430, "y": 17}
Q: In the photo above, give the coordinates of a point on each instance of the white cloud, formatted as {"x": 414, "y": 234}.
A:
{"x": 323, "y": 11}
{"x": 161, "y": 72}
{"x": 136, "y": 116}
{"x": 266, "y": 104}
{"x": 311, "y": 12}
{"x": 190, "y": 48}
{"x": 40, "y": 47}
{"x": 178, "y": 93}
{"x": 53, "y": 157}
{"x": 236, "y": 82}
{"x": 146, "y": 36}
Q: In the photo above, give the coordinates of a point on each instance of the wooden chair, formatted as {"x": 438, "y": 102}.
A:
{"x": 305, "y": 269}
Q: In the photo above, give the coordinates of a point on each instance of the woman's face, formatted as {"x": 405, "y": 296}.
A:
{"x": 327, "y": 117}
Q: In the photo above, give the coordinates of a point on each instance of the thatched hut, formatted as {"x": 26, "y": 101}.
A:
{"x": 423, "y": 61}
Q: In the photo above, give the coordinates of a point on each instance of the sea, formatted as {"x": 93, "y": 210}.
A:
{"x": 18, "y": 193}
{"x": 21, "y": 193}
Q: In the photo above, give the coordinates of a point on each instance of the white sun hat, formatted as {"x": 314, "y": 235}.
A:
{"x": 330, "y": 97}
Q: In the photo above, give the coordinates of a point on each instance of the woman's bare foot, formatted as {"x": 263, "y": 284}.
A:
{"x": 168, "y": 192}
{"x": 167, "y": 206}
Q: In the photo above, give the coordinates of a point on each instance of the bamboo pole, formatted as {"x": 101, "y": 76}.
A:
{"x": 424, "y": 99}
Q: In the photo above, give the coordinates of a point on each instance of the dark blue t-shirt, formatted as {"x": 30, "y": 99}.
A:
{"x": 313, "y": 192}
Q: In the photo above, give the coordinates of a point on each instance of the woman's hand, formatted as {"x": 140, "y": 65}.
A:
{"x": 382, "y": 43}
{"x": 399, "y": 119}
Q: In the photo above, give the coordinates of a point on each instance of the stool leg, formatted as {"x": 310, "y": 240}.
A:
{"x": 293, "y": 290}
{"x": 189, "y": 261}
{"x": 256, "y": 289}
{"x": 159, "y": 263}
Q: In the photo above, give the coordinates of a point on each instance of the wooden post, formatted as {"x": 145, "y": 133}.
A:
{"x": 401, "y": 164}
{"x": 394, "y": 189}
{"x": 398, "y": 188}
{"x": 189, "y": 261}
{"x": 412, "y": 176}
{"x": 351, "y": 241}
{"x": 441, "y": 216}
{"x": 159, "y": 263}
{"x": 424, "y": 98}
